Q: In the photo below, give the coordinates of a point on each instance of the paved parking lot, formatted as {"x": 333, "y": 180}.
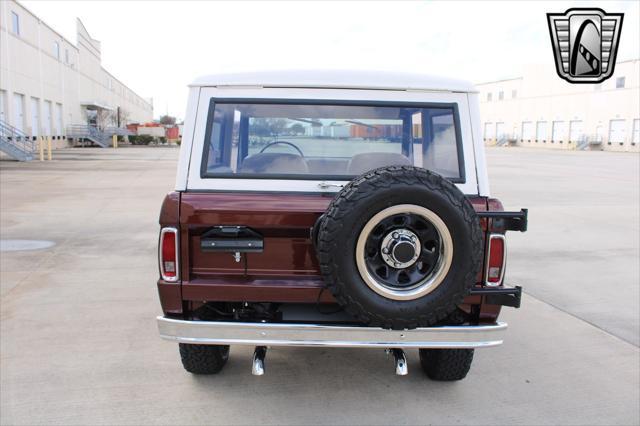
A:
{"x": 79, "y": 342}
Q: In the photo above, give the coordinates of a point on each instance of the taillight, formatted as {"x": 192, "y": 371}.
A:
{"x": 168, "y": 254}
{"x": 496, "y": 260}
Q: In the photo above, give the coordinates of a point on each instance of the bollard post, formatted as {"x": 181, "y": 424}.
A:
{"x": 41, "y": 147}
{"x": 114, "y": 139}
{"x": 49, "y": 148}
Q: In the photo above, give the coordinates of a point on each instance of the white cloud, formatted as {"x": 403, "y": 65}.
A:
{"x": 157, "y": 48}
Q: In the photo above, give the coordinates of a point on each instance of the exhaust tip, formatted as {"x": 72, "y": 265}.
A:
{"x": 401, "y": 362}
{"x": 257, "y": 367}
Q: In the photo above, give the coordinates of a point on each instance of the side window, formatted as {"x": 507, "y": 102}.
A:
{"x": 216, "y": 161}
{"x": 439, "y": 145}
{"x": 15, "y": 23}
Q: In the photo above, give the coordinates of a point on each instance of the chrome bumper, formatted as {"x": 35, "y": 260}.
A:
{"x": 282, "y": 334}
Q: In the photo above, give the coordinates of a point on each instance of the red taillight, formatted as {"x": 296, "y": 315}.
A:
{"x": 496, "y": 256}
{"x": 169, "y": 254}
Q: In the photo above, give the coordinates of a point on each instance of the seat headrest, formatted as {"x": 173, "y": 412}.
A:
{"x": 274, "y": 163}
{"x": 361, "y": 163}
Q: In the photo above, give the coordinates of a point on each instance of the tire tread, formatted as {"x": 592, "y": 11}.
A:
{"x": 364, "y": 186}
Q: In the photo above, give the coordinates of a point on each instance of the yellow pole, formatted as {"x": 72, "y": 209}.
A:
{"x": 114, "y": 138}
{"x": 49, "y": 148}
{"x": 41, "y": 147}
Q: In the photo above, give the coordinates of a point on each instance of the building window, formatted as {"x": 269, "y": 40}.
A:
{"x": 56, "y": 49}
{"x": 15, "y": 23}
{"x": 489, "y": 96}
{"x": 500, "y": 95}
{"x": 66, "y": 56}
{"x": 620, "y": 83}
{"x": 635, "y": 139}
{"x": 514, "y": 94}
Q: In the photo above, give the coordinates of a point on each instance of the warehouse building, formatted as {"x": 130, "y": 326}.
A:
{"x": 539, "y": 109}
{"x": 49, "y": 85}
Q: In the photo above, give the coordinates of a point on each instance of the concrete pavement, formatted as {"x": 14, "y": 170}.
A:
{"x": 79, "y": 345}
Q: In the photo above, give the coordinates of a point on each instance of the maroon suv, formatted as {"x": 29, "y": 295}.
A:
{"x": 333, "y": 209}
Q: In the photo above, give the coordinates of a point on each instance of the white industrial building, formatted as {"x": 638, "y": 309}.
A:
{"x": 539, "y": 109}
{"x": 48, "y": 84}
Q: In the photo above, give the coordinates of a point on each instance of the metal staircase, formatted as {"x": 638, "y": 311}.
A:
{"x": 15, "y": 143}
{"x": 91, "y": 133}
{"x": 588, "y": 142}
{"x": 100, "y": 137}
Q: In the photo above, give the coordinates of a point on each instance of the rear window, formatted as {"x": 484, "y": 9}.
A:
{"x": 329, "y": 141}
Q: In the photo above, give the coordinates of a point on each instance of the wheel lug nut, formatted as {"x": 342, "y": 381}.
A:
{"x": 395, "y": 235}
{"x": 385, "y": 250}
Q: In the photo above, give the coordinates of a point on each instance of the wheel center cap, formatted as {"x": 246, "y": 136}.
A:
{"x": 403, "y": 252}
{"x": 400, "y": 248}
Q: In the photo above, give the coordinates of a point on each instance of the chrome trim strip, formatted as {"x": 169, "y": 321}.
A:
{"x": 161, "y": 260}
{"x": 504, "y": 260}
{"x": 283, "y": 334}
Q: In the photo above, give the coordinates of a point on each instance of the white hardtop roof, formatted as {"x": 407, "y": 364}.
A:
{"x": 337, "y": 79}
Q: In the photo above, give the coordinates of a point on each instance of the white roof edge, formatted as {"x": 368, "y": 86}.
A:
{"x": 337, "y": 79}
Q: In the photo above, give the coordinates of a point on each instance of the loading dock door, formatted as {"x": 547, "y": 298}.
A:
{"x": 2, "y": 108}
{"x": 616, "y": 131}
{"x": 500, "y": 134}
{"x": 527, "y": 130}
{"x": 58, "y": 120}
{"x": 35, "y": 117}
{"x": 487, "y": 132}
{"x": 558, "y": 131}
{"x": 46, "y": 125}
{"x": 575, "y": 130}
{"x": 18, "y": 111}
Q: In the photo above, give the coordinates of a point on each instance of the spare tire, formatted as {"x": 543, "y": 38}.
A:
{"x": 399, "y": 247}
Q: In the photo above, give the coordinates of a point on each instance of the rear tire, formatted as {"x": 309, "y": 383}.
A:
{"x": 203, "y": 359}
{"x": 446, "y": 364}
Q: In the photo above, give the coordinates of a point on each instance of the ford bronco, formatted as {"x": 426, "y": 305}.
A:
{"x": 333, "y": 209}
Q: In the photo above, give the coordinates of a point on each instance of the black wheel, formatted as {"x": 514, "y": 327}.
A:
{"x": 400, "y": 247}
{"x": 203, "y": 359}
{"x": 446, "y": 364}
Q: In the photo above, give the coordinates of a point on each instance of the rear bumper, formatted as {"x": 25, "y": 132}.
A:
{"x": 286, "y": 334}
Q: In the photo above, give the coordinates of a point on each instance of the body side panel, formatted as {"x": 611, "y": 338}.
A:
{"x": 187, "y": 139}
{"x": 473, "y": 100}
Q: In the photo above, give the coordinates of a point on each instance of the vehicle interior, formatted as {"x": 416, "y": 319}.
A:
{"x": 328, "y": 141}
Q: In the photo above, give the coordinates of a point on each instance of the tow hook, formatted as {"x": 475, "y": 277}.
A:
{"x": 401, "y": 361}
{"x": 257, "y": 369}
